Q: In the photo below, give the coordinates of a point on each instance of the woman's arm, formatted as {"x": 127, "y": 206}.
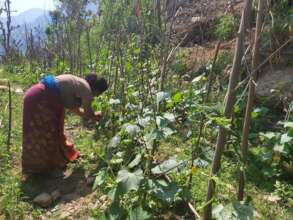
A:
{"x": 87, "y": 113}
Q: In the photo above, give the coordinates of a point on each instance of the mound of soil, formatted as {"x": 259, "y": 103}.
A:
{"x": 274, "y": 87}
{"x": 194, "y": 20}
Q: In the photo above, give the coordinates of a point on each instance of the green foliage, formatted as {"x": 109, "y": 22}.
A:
{"x": 235, "y": 210}
{"x": 224, "y": 58}
{"x": 179, "y": 67}
{"x": 277, "y": 151}
{"x": 285, "y": 192}
{"x": 225, "y": 27}
{"x": 282, "y": 18}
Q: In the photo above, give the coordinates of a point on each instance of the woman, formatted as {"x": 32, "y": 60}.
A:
{"x": 45, "y": 147}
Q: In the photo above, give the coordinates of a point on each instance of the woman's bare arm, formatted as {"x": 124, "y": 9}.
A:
{"x": 87, "y": 113}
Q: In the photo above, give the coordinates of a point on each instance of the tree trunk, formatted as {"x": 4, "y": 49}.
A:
{"x": 230, "y": 100}
{"x": 249, "y": 104}
{"x": 88, "y": 40}
{"x": 8, "y": 26}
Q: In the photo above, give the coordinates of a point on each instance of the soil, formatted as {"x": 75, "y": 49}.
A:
{"x": 274, "y": 86}
{"x": 193, "y": 21}
{"x": 75, "y": 188}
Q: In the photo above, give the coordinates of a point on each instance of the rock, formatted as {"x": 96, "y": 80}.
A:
{"x": 55, "y": 195}
{"x": 69, "y": 197}
{"x": 44, "y": 200}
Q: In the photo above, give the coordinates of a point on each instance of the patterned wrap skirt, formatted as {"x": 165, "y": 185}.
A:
{"x": 44, "y": 146}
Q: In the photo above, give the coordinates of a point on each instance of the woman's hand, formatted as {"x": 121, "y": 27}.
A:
{"x": 89, "y": 114}
{"x": 98, "y": 116}
{"x": 68, "y": 143}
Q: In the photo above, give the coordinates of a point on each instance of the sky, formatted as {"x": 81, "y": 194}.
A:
{"x": 23, "y": 5}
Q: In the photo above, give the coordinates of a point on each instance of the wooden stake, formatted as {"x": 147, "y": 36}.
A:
{"x": 249, "y": 104}
{"x": 230, "y": 100}
{"x": 9, "y": 117}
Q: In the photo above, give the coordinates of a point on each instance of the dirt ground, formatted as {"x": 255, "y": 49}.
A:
{"x": 193, "y": 20}
{"x": 75, "y": 195}
{"x": 274, "y": 87}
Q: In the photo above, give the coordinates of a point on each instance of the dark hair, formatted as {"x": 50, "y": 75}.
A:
{"x": 97, "y": 83}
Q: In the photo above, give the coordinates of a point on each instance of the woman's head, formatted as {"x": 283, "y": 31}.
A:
{"x": 97, "y": 83}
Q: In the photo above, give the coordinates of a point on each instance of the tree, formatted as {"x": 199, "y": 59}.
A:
{"x": 6, "y": 28}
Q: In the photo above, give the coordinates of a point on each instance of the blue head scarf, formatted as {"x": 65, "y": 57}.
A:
{"x": 50, "y": 82}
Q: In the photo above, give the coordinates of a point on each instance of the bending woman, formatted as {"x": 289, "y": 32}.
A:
{"x": 44, "y": 146}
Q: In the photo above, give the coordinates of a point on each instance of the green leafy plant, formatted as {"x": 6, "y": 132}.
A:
{"x": 225, "y": 27}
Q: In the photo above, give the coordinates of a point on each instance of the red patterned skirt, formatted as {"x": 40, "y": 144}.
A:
{"x": 44, "y": 146}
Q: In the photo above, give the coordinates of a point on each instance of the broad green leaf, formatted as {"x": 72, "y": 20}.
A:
{"x": 130, "y": 106}
{"x": 166, "y": 166}
{"x": 163, "y": 125}
{"x": 267, "y": 156}
{"x": 199, "y": 79}
{"x": 114, "y": 101}
{"x": 258, "y": 112}
{"x": 288, "y": 124}
{"x": 279, "y": 148}
{"x": 169, "y": 116}
{"x": 285, "y": 139}
{"x": 116, "y": 160}
{"x": 114, "y": 193}
{"x": 135, "y": 161}
{"x": 254, "y": 115}
{"x": 128, "y": 67}
{"x": 144, "y": 122}
{"x": 201, "y": 163}
{"x": 115, "y": 212}
{"x": 269, "y": 135}
{"x": 233, "y": 211}
{"x": 162, "y": 122}
{"x": 237, "y": 109}
{"x": 167, "y": 131}
{"x": 153, "y": 135}
{"x": 222, "y": 121}
{"x": 161, "y": 96}
{"x": 129, "y": 181}
{"x": 100, "y": 179}
{"x": 177, "y": 98}
{"x": 115, "y": 141}
{"x": 131, "y": 129}
{"x": 167, "y": 193}
{"x": 138, "y": 214}
{"x": 290, "y": 132}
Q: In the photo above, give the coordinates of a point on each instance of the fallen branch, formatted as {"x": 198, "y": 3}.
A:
{"x": 175, "y": 48}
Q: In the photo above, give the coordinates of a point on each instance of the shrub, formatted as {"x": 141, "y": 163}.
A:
{"x": 225, "y": 27}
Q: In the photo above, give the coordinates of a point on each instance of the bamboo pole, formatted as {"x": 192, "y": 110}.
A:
{"x": 9, "y": 117}
{"x": 250, "y": 101}
{"x": 230, "y": 100}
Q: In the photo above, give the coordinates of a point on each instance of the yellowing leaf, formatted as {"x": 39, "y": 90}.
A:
{"x": 194, "y": 170}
